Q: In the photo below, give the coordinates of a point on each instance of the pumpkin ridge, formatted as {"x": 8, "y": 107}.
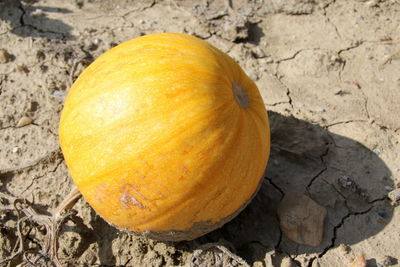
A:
{"x": 194, "y": 187}
{"x": 189, "y": 193}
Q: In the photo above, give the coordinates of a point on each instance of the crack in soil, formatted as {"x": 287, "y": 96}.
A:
{"x": 25, "y": 24}
{"x": 294, "y": 55}
{"x": 41, "y": 176}
{"x": 275, "y": 186}
{"x": 140, "y": 9}
{"x": 324, "y": 13}
{"x": 356, "y": 44}
{"x": 338, "y": 226}
{"x": 278, "y": 103}
{"x": 32, "y": 123}
{"x": 365, "y": 103}
{"x": 290, "y": 101}
{"x": 31, "y": 164}
{"x": 343, "y": 122}
{"x": 378, "y": 200}
{"x": 313, "y": 179}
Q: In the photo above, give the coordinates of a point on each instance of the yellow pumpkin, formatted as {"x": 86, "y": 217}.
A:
{"x": 165, "y": 135}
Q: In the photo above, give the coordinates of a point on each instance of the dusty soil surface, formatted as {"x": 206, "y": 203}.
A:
{"x": 329, "y": 73}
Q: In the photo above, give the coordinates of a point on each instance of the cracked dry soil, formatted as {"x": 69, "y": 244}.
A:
{"x": 329, "y": 75}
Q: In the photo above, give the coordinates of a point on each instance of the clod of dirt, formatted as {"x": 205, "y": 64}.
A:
{"x": 40, "y": 56}
{"x": 235, "y": 29}
{"x": 4, "y": 56}
{"x": 301, "y": 219}
{"x": 287, "y": 262}
{"x": 345, "y": 182}
{"x": 24, "y": 121}
{"x": 359, "y": 261}
{"x": 394, "y": 196}
{"x": 22, "y": 68}
{"x": 293, "y": 7}
{"x": 387, "y": 261}
{"x": 344, "y": 249}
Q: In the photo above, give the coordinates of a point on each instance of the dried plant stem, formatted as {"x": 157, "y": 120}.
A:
{"x": 52, "y": 223}
{"x": 197, "y": 253}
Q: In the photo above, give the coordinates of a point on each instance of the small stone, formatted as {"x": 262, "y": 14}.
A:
{"x": 372, "y": 3}
{"x": 4, "y": 56}
{"x": 96, "y": 41}
{"x": 15, "y": 149}
{"x": 344, "y": 249}
{"x": 388, "y": 188}
{"x": 59, "y": 94}
{"x": 394, "y": 196}
{"x": 24, "y": 121}
{"x": 301, "y": 219}
{"x": 37, "y": 12}
{"x": 269, "y": 60}
{"x": 359, "y": 261}
{"x": 388, "y": 261}
{"x": 377, "y": 152}
{"x": 91, "y": 46}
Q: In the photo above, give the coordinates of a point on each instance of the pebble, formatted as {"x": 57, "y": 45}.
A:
{"x": 91, "y": 46}
{"x": 388, "y": 188}
{"x": 359, "y": 261}
{"x": 37, "y": 12}
{"x": 269, "y": 60}
{"x": 24, "y": 121}
{"x": 394, "y": 196}
{"x": 301, "y": 219}
{"x": 346, "y": 182}
{"x": 4, "y": 56}
{"x": 372, "y": 3}
{"x": 59, "y": 94}
{"x": 96, "y": 41}
{"x": 15, "y": 149}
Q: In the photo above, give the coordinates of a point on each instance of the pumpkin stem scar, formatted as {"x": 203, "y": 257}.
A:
{"x": 241, "y": 96}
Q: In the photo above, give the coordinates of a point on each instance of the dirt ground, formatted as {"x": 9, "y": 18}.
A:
{"x": 329, "y": 73}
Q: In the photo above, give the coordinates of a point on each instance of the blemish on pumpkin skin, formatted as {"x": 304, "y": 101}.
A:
{"x": 185, "y": 169}
{"x": 240, "y": 95}
{"x": 128, "y": 201}
{"x": 131, "y": 197}
{"x": 102, "y": 192}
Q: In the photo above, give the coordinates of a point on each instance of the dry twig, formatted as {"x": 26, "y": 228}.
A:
{"x": 52, "y": 224}
{"x": 196, "y": 261}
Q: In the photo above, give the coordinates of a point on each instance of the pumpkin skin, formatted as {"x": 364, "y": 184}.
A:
{"x": 166, "y": 136}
